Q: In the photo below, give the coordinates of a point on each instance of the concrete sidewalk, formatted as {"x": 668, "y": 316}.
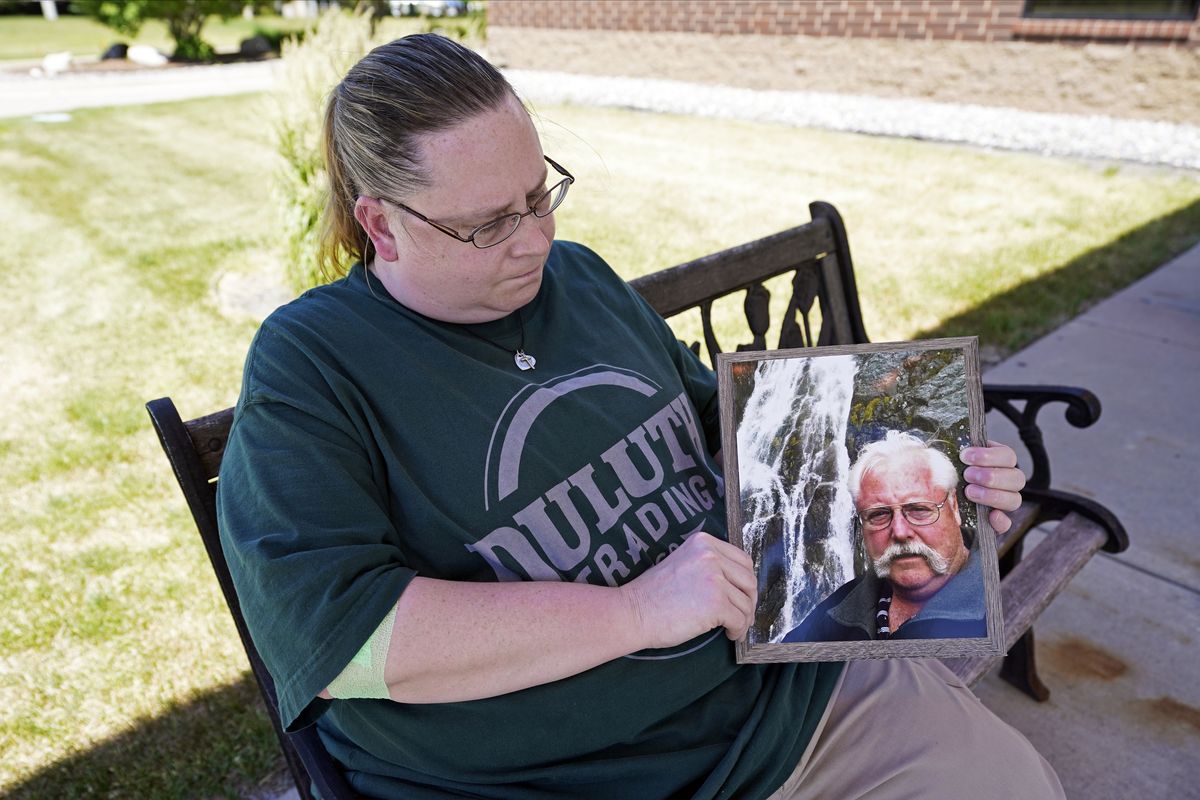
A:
{"x": 22, "y": 95}
{"x": 1119, "y": 648}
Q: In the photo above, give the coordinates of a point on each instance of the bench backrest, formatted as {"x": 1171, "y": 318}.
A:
{"x": 823, "y": 280}
{"x": 817, "y": 255}
{"x": 194, "y": 449}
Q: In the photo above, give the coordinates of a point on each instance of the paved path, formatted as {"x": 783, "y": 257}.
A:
{"x": 22, "y": 95}
{"x": 1119, "y": 648}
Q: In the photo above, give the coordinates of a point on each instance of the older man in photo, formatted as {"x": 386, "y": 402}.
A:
{"x": 923, "y": 580}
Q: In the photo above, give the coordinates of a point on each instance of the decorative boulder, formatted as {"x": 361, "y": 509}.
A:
{"x": 255, "y": 47}
{"x": 115, "y": 52}
{"x": 146, "y": 56}
{"x": 55, "y": 63}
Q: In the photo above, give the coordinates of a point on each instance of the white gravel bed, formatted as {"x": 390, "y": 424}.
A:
{"x": 1095, "y": 136}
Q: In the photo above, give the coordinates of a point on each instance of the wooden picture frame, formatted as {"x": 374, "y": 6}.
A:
{"x": 792, "y": 425}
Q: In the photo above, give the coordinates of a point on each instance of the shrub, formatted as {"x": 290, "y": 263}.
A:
{"x": 184, "y": 19}
{"x": 276, "y": 37}
{"x": 471, "y": 30}
{"x": 310, "y": 70}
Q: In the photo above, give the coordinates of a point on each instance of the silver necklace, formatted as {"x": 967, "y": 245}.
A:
{"x": 523, "y": 360}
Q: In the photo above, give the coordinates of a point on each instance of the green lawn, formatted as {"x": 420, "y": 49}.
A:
{"x": 33, "y": 37}
{"x": 946, "y": 240}
{"x": 120, "y": 673}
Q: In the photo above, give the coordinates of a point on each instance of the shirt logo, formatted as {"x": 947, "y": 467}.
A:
{"x": 624, "y": 509}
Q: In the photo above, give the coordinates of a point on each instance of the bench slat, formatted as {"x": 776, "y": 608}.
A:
{"x": 840, "y": 327}
{"x": 208, "y": 435}
{"x": 1033, "y": 583}
{"x": 1023, "y": 519}
{"x": 670, "y": 291}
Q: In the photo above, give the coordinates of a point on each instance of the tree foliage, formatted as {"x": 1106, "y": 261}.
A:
{"x": 184, "y": 19}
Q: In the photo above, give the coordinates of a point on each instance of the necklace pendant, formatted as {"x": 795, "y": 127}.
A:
{"x": 524, "y": 361}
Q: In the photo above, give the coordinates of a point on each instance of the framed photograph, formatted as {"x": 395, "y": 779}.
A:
{"x": 844, "y": 485}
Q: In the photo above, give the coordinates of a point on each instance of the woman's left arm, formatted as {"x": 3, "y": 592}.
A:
{"x": 994, "y": 480}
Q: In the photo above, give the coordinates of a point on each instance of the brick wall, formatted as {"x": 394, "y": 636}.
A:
{"x": 960, "y": 20}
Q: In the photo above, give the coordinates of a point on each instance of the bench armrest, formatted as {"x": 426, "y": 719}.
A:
{"x": 1083, "y": 409}
{"x": 1032, "y": 584}
{"x": 1055, "y": 505}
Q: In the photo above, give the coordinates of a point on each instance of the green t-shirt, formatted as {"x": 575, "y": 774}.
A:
{"x": 371, "y": 444}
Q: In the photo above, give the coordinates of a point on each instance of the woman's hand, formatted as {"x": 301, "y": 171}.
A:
{"x": 707, "y": 583}
{"x": 994, "y": 480}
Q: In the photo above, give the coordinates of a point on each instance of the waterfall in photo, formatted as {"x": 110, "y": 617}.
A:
{"x": 792, "y": 466}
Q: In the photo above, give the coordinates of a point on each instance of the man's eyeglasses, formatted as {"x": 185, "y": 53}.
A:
{"x": 879, "y": 517}
{"x": 490, "y": 234}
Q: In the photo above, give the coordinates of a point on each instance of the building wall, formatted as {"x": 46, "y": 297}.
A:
{"x": 943, "y": 56}
{"x": 958, "y": 20}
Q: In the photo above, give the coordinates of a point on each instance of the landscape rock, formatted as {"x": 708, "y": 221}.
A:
{"x": 115, "y": 52}
{"x": 255, "y": 47}
{"x": 146, "y": 56}
{"x": 55, "y": 63}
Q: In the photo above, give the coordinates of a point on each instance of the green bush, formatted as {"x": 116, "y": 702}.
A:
{"x": 310, "y": 70}
{"x": 471, "y": 29}
{"x": 184, "y": 19}
{"x": 277, "y": 37}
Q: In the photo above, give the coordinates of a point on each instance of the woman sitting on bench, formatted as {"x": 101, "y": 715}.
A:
{"x": 451, "y": 505}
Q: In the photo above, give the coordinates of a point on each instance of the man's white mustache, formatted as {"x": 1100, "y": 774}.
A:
{"x": 913, "y": 547}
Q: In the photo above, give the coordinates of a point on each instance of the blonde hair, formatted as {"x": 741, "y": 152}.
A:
{"x": 416, "y": 85}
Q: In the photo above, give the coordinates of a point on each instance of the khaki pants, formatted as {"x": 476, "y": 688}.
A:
{"x": 904, "y": 728}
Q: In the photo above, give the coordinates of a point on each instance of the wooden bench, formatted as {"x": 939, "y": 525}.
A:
{"x": 822, "y": 287}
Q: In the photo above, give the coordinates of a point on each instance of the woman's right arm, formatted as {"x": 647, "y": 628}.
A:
{"x": 455, "y": 641}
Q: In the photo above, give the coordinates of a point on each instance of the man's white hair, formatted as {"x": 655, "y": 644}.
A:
{"x": 899, "y": 443}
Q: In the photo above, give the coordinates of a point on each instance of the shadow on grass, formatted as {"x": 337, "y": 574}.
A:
{"x": 219, "y": 744}
{"x": 1014, "y": 319}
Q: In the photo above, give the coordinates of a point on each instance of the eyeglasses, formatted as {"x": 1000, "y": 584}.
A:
{"x": 920, "y": 514}
{"x": 490, "y": 234}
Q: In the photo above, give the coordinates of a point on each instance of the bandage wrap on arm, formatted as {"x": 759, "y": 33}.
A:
{"x": 363, "y": 676}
